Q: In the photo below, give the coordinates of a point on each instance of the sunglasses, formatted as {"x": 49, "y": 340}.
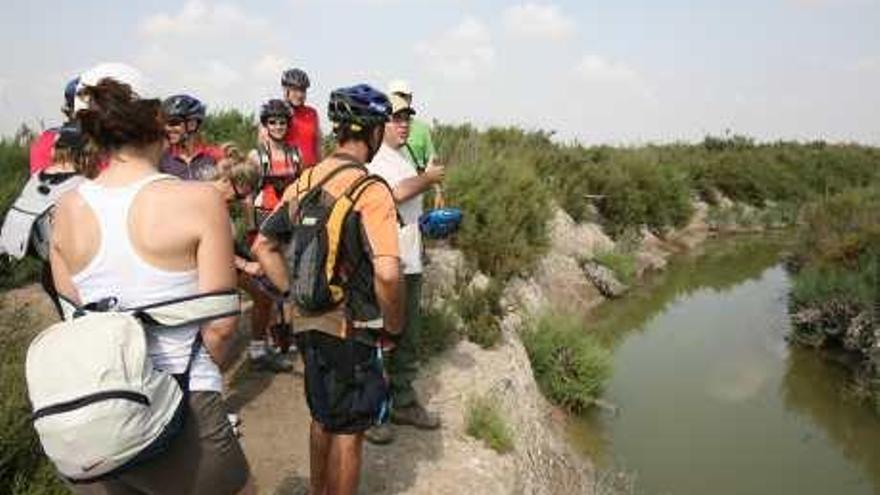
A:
{"x": 175, "y": 122}
{"x": 278, "y": 122}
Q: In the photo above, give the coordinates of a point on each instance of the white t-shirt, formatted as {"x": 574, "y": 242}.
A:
{"x": 395, "y": 166}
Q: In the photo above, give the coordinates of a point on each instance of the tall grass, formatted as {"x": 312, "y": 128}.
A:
{"x": 23, "y": 467}
{"x": 570, "y": 366}
{"x": 13, "y": 175}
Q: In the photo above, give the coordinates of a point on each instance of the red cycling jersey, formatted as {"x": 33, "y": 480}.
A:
{"x": 41, "y": 150}
{"x": 281, "y": 172}
{"x": 303, "y": 132}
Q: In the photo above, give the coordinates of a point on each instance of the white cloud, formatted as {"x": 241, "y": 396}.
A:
{"x": 539, "y": 21}
{"x": 596, "y": 68}
{"x": 461, "y": 53}
{"x": 213, "y": 50}
{"x": 617, "y": 76}
{"x": 270, "y": 65}
{"x": 198, "y": 18}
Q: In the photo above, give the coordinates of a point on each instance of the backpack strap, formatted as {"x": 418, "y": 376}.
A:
{"x": 191, "y": 310}
{"x": 333, "y": 173}
{"x": 335, "y": 222}
{"x": 173, "y": 313}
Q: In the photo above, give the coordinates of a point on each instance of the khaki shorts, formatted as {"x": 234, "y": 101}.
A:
{"x": 205, "y": 458}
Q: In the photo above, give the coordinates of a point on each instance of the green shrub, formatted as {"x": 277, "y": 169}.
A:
{"x": 623, "y": 264}
{"x": 13, "y": 175}
{"x": 842, "y": 229}
{"x": 571, "y": 367}
{"x": 480, "y": 311}
{"x": 506, "y": 210}
{"x": 485, "y": 422}
{"x": 816, "y": 285}
{"x": 837, "y": 260}
{"x": 23, "y": 467}
{"x": 437, "y": 333}
{"x": 231, "y": 125}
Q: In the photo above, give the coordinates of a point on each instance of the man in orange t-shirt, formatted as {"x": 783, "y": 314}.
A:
{"x": 342, "y": 347}
{"x": 304, "y": 131}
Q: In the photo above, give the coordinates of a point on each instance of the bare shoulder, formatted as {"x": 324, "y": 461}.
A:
{"x": 189, "y": 195}
{"x": 69, "y": 202}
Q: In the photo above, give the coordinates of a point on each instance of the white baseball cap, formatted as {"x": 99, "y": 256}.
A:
{"x": 122, "y": 73}
{"x": 399, "y": 86}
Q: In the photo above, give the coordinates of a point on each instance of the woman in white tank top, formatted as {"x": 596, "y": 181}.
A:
{"x": 143, "y": 237}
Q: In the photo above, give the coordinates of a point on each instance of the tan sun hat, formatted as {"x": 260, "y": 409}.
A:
{"x": 400, "y": 104}
{"x": 399, "y": 86}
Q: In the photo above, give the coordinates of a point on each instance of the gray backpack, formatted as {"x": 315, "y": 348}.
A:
{"x": 28, "y": 223}
{"x": 99, "y": 404}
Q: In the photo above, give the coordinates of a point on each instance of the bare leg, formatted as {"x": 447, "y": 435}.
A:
{"x": 260, "y": 315}
{"x": 319, "y": 450}
{"x": 345, "y": 457}
{"x": 262, "y": 309}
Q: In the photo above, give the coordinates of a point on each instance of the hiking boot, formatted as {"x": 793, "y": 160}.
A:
{"x": 380, "y": 434}
{"x": 273, "y": 363}
{"x": 415, "y": 415}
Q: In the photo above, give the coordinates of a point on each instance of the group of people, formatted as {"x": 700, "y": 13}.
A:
{"x": 157, "y": 212}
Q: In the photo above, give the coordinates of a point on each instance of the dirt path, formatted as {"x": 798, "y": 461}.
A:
{"x": 275, "y": 426}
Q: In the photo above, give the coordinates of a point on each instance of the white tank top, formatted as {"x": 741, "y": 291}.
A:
{"x": 117, "y": 271}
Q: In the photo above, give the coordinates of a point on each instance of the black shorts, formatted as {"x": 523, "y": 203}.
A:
{"x": 346, "y": 385}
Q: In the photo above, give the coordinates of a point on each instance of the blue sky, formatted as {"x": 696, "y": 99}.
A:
{"x": 622, "y": 72}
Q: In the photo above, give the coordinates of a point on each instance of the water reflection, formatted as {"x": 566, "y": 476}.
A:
{"x": 817, "y": 389}
{"x": 717, "y": 265}
{"x": 711, "y": 397}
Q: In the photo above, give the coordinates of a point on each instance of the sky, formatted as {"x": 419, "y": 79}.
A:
{"x": 623, "y": 72}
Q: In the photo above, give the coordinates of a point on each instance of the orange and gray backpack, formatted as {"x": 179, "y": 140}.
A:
{"x": 327, "y": 257}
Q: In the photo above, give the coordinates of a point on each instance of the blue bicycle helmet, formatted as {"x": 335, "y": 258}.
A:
{"x": 185, "y": 107}
{"x": 70, "y": 94}
{"x": 440, "y": 223}
{"x": 358, "y": 107}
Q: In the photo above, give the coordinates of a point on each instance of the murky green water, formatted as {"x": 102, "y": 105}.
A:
{"x": 713, "y": 400}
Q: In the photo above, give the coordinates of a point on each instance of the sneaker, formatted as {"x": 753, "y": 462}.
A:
{"x": 415, "y": 415}
{"x": 380, "y": 434}
{"x": 235, "y": 421}
{"x": 272, "y": 362}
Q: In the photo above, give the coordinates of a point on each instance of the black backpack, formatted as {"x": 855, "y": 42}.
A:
{"x": 319, "y": 224}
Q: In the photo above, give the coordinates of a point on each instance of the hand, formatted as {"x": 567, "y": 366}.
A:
{"x": 262, "y": 136}
{"x": 253, "y": 269}
{"x": 435, "y": 172}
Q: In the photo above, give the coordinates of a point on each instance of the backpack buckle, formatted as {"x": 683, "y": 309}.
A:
{"x": 104, "y": 305}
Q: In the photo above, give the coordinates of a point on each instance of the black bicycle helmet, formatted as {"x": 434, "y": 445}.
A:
{"x": 296, "y": 78}
{"x": 274, "y": 108}
{"x": 359, "y": 107}
{"x": 184, "y": 107}
{"x": 70, "y": 136}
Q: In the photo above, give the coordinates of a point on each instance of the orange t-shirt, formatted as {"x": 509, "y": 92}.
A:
{"x": 378, "y": 217}
{"x": 376, "y": 206}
